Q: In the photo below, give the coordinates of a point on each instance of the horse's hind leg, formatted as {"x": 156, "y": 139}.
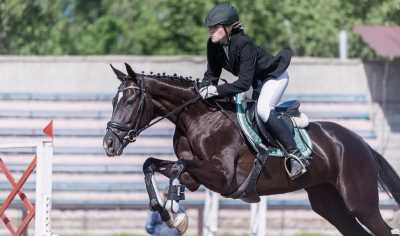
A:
{"x": 366, "y": 208}
{"x": 362, "y": 200}
{"x": 359, "y": 190}
{"x": 326, "y": 201}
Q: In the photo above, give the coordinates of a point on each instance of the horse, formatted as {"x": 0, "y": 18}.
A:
{"x": 341, "y": 183}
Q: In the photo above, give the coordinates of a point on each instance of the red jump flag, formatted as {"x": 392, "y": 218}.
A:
{"x": 48, "y": 130}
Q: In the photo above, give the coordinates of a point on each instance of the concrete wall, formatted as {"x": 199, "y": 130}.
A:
{"x": 383, "y": 80}
{"x": 93, "y": 75}
{"x": 78, "y": 74}
{"x": 327, "y": 76}
{"x": 384, "y": 86}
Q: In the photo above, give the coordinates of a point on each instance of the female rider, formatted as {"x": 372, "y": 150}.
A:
{"x": 230, "y": 48}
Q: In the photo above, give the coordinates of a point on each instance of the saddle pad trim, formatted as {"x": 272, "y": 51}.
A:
{"x": 255, "y": 140}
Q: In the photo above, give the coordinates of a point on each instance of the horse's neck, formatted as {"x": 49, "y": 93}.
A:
{"x": 169, "y": 96}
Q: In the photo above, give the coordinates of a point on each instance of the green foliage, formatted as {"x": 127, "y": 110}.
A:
{"x": 170, "y": 27}
{"x": 24, "y": 27}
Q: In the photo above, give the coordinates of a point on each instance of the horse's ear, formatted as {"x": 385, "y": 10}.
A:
{"x": 131, "y": 73}
{"x": 120, "y": 75}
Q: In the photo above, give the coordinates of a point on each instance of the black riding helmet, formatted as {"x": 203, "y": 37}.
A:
{"x": 221, "y": 14}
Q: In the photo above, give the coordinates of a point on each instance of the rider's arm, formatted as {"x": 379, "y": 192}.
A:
{"x": 248, "y": 60}
{"x": 214, "y": 63}
{"x": 212, "y": 75}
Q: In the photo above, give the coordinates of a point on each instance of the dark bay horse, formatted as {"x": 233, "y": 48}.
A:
{"x": 342, "y": 183}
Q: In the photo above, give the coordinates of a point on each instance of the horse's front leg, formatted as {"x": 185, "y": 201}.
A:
{"x": 183, "y": 151}
{"x": 170, "y": 211}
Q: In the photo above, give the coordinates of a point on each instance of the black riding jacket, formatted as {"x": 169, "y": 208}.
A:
{"x": 250, "y": 62}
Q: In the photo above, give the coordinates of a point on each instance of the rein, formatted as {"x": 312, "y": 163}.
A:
{"x": 176, "y": 110}
{"x": 221, "y": 109}
{"x": 133, "y": 133}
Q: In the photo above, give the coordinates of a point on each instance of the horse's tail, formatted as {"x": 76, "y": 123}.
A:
{"x": 388, "y": 178}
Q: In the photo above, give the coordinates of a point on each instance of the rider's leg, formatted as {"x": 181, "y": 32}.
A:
{"x": 270, "y": 94}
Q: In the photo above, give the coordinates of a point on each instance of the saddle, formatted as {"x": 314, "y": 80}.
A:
{"x": 286, "y": 110}
{"x": 252, "y": 126}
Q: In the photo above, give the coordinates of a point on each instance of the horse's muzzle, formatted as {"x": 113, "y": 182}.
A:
{"x": 112, "y": 144}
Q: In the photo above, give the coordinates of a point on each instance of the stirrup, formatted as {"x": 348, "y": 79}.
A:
{"x": 303, "y": 167}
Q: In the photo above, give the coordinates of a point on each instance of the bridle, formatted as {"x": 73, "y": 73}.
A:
{"x": 133, "y": 132}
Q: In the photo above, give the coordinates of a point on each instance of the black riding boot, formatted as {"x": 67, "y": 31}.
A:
{"x": 280, "y": 130}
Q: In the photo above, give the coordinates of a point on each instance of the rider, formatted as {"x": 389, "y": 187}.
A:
{"x": 230, "y": 48}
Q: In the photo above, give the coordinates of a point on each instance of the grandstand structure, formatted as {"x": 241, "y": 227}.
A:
{"x": 97, "y": 195}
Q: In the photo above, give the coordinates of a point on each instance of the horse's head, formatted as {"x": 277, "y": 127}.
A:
{"x": 132, "y": 110}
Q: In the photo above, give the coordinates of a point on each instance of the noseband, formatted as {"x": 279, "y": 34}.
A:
{"x": 134, "y": 131}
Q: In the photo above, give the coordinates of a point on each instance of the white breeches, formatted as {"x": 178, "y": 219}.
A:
{"x": 271, "y": 93}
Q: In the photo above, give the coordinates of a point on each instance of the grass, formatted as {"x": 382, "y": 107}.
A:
{"x": 300, "y": 234}
{"x": 123, "y": 234}
{"x": 310, "y": 234}
{"x": 126, "y": 234}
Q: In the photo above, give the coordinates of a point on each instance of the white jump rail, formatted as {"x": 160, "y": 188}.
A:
{"x": 258, "y": 212}
{"x": 43, "y": 195}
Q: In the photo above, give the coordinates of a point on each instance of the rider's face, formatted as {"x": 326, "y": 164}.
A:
{"x": 217, "y": 33}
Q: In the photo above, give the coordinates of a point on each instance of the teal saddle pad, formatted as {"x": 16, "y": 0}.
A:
{"x": 301, "y": 137}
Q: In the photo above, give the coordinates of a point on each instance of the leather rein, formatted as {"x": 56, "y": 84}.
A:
{"x": 133, "y": 132}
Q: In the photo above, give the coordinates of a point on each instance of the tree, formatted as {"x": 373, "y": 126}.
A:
{"x": 25, "y": 27}
{"x": 170, "y": 27}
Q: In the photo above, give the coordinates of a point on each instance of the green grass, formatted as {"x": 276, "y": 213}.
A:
{"x": 124, "y": 234}
{"x": 232, "y": 235}
{"x": 300, "y": 234}
{"x": 310, "y": 234}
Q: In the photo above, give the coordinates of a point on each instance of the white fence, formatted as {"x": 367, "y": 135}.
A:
{"x": 44, "y": 159}
{"x": 258, "y": 212}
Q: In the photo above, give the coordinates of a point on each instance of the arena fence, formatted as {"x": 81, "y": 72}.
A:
{"x": 42, "y": 162}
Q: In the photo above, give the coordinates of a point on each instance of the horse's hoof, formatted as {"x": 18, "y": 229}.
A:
{"x": 181, "y": 222}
